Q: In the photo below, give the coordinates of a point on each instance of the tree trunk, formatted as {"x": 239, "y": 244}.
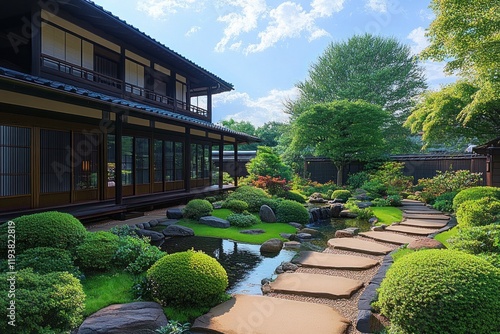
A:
{"x": 340, "y": 174}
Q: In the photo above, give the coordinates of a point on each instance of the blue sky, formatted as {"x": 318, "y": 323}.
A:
{"x": 264, "y": 47}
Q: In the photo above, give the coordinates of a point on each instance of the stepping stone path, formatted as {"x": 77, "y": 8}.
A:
{"x": 323, "y": 279}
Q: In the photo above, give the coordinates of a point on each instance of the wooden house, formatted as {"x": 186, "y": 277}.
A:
{"x": 96, "y": 117}
{"x": 492, "y": 152}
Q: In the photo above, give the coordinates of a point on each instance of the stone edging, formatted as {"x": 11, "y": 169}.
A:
{"x": 366, "y": 321}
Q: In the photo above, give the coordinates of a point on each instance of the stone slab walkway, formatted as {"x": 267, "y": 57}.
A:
{"x": 409, "y": 202}
{"x": 245, "y": 314}
{"x": 410, "y": 229}
{"x": 316, "y": 285}
{"x": 359, "y": 246}
{"x": 424, "y": 223}
{"x": 425, "y": 216}
{"x": 422, "y": 210}
{"x": 334, "y": 261}
{"x": 389, "y": 237}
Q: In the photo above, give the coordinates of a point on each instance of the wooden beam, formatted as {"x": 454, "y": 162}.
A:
{"x": 118, "y": 160}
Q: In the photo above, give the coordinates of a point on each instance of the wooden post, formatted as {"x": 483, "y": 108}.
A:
{"x": 118, "y": 159}
{"x": 235, "y": 145}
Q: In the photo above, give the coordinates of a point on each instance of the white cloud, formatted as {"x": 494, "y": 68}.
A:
{"x": 160, "y": 8}
{"x": 420, "y": 41}
{"x": 426, "y": 15}
{"x": 326, "y": 8}
{"x": 256, "y": 111}
{"x": 377, "y": 5}
{"x": 193, "y": 30}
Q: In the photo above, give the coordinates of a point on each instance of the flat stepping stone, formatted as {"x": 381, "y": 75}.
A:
{"x": 424, "y": 223}
{"x": 422, "y": 210}
{"x": 315, "y": 285}
{"x": 359, "y": 245}
{"x": 410, "y": 229}
{"x": 265, "y": 315}
{"x": 389, "y": 237}
{"x": 405, "y": 202}
{"x": 334, "y": 261}
{"x": 425, "y": 216}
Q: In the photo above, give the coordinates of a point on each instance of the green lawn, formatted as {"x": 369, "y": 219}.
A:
{"x": 273, "y": 230}
{"x": 387, "y": 214}
{"x": 444, "y": 236}
{"x": 107, "y": 288}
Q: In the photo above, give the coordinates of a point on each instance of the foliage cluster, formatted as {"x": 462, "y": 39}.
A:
{"x": 341, "y": 194}
{"x": 197, "y": 208}
{"x": 205, "y": 286}
{"x": 254, "y": 197}
{"x": 136, "y": 254}
{"x": 447, "y": 283}
{"x": 294, "y": 196}
{"x": 44, "y": 303}
{"x": 275, "y": 186}
{"x": 308, "y": 187}
{"x": 483, "y": 241}
{"x": 444, "y": 202}
{"x": 388, "y": 179}
{"x": 242, "y": 219}
{"x": 475, "y": 193}
{"x": 363, "y": 214}
{"x": 97, "y": 251}
{"x": 268, "y": 163}
{"x": 356, "y": 180}
{"x": 290, "y": 211}
{"x": 484, "y": 211}
{"x": 174, "y": 327}
{"x": 44, "y": 260}
{"x": 235, "y": 205}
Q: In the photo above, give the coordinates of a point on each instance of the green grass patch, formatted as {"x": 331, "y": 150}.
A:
{"x": 107, "y": 288}
{"x": 444, "y": 236}
{"x": 401, "y": 253}
{"x": 387, "y": 214}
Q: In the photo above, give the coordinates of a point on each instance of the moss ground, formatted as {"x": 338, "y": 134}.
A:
{"x": 387, "y": 214}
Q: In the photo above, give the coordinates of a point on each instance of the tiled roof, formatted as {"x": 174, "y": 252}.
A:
{"x": 8, "y": 73}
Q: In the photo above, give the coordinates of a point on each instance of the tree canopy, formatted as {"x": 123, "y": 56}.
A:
{"x": 375, "y": 69}
{"x": 343, "y": 131}
{"x": 268, "y": 163}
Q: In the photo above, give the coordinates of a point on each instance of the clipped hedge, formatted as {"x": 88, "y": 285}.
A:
{"x": 444, "y": 202}
{"x": 342, "y": 195}
{"x": 293, "y": 196}
{"x": 197, "y": 208}
{"x": 475, "y": 193}
{"x": 97, "y": 251}
{"x": 44, "y": 260}
{"x": 479, "y": 212}
{"x": 291, "y": 211}
{"x": 235, "y": 205}
{"x": 483, "y": 241}
{"x": 188, "y": 278}
{"x": 254, "y": 197}
{"x": 441, "y": 291}
{"x": 242, "y": 219}
{"x": 51, "y": 303}
{"x": 136, "y": 254}
{"x": 46, "y": 229}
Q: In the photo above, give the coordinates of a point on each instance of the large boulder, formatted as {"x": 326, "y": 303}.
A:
{"x": 271, "y": 246}
{"x": 214, "y": 222}
{"x": 153, "y": 235}
{"x": 347, "y": 214}
{"x": 178, "y": 231}
{"x": 335, "y": 210}
{"x": 174, "y": 213}
{"x": 132, "y": 318}
{"x": 267, "y": 214}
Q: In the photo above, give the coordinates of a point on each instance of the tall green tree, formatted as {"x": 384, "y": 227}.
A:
{"x": 466, "y": 34}
{"x": 270, "y": 133}
{"x": 343, "y": 131}
{"x": 268, "y": 163}
{"x": 241, "y": 126}
{"x": 378, "y": 70}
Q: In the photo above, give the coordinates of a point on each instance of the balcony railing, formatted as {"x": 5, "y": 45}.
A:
{"x": 117, "y": 84}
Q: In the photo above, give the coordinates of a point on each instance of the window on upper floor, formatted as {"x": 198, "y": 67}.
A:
{"x": 134, "y": 77}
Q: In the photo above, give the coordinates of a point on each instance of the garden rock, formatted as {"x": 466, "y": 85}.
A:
{"x": 373, "y": 220}
{"x": 347, "y": 214}
{"x": 214, "y": 222}
{"x": 271, "y": 246}
{"x": 146, "y": 225}
{"x": 292, "y": 244}
{"x": 286, "y": 235}
{"x": 425, "y": 243}
{"x": 267, "y": 214}
{"x": 304, "y": 236}
{"x": 174, "y": 213}
{"x": 140, "y": 226}
{"x": 310, "y": 231}
{"x": 354, "y": 230}
{"x": 178, "y": 231}
{"x": 132, "y": 318}
{"x": 296, "y": 225}
{"x": 316, "y": 198}
{"x": 343, "y": 234}
{"x": 335, "y": 210}
{"x": 378, "y": 228}
{"x": 153, "y": 235}
{"x": 289, "y": 267}
{"x": 253, "y": 232}
{"x": 153, "y": 222}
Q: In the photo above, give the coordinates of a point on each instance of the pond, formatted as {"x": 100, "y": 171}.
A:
{"x": 244, "y": 263}
{"x": 329, "y": 227}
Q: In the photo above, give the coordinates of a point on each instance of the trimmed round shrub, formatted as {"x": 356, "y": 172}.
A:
{"x": 235, "y": 205}
{"x": 136, "y": 255}
{"x": 47, "y": 229}
{"x": 444, "y": 202}
{"x": 483, "y": 241}
{"x": 475, "y": 193}
{"x": 188, "y": 278}
{"x": 291, "y": 211}
{"x": 293, "y": 196}
{"x": 241, "y": 219}
{"x": 44, "y": 260}
{"x": 51, "y": 303}
{"x": 254, "y": 197}
{"x": 97, "y": 251}
{"x": 441, "y": 291}
{"x": 197, "y": 208}
{"x": 479, "y": 212}
{"x": 340, "y": 194}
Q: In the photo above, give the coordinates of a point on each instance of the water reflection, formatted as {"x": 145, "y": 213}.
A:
{"x": 244, "y": 264}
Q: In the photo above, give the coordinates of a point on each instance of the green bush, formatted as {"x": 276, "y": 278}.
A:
{"x": 394, "y": 200}
{"x": 479, "y": 212}
{"x": 381, "y": 202}
{"x": 483, "y": 241}
{"x": 51, "y": 303}
{"x": 197, "y": 208}
{"x": 475, "y": 193}
{"x": 356, "y": 180}
{"x": 441, "y": 291}
{"x": 97, "y": 251}
{"x": 362, "y": 214}
{"x": 47, "y": 229}
{"x": 293, "y": 196}
{"x": 341, "y": 194}
{"x": 254, "y": 197}
{"x": 241, "y": 219}
{"x": 444, "y": 202}
{"x": 235, "y": 205}
{"x": 187, "y": 279}
{"x": 291, "y": 211}
{"x": 44, "y": 260}
{"x": 136, "y": 254}
{"x": 375, "y": 188}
